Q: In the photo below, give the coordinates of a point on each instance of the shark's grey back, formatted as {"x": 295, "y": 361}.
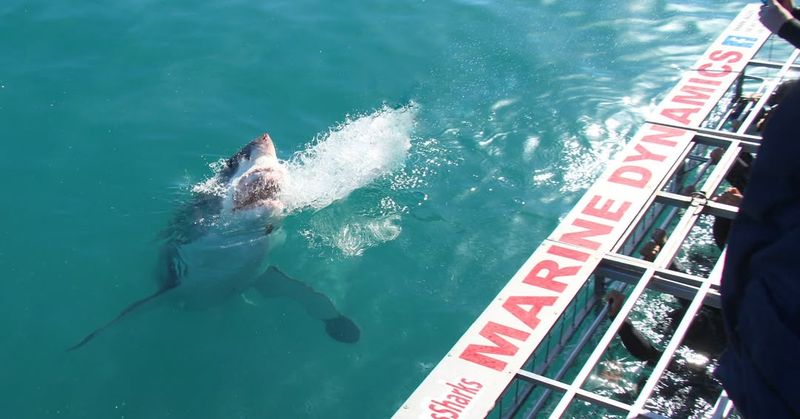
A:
{"x": 192, "y": 220}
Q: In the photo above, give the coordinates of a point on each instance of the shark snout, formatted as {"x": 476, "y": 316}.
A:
{"x": 264, "y": 146}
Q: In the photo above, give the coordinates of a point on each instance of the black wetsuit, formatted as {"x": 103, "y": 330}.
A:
{"x": 760, "y": 287}
{"x": 706, "y": 334}
{"x": 790, "y": 31}
{"x": 637, "y": 344}
{"x": 737, "y": 176}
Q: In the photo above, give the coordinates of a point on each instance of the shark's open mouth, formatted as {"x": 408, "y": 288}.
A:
{"x": 259, "y": 184}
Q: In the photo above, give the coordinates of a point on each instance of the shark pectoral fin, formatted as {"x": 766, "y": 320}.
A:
{"x": 274, "y": 283}
{"x": 133, "y": 306}
{"x": 342, "y": 329}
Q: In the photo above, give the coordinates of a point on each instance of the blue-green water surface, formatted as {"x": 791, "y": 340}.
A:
{"x": 110, "y": 111}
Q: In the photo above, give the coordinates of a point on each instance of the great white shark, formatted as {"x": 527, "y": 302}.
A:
{"x": 217, "y": 245}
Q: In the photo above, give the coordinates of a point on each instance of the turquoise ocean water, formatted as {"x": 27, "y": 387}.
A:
{"x": 111, "y": 111}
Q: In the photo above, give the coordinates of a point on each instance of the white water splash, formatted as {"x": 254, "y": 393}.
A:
{"x": 354, "y": 235}
{"x": 347, "y": 157}
{"x": 211, "y": 186}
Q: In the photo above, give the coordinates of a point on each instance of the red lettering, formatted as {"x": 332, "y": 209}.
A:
{"x": 461, "y": 395}
{"x": 680, "y": 115}
{"x": 720, "y": 55}
{"x": 631, "y": 175}
{"x": 458, "y": 407}
{"x": 475, "y": 384}
{"x": 664, "y": 132}
{"x": 644, "y": 154}
{"x": 568, "y": 253}
{"x": 605, "y": 211}
{"x": 459, "y": 398}
{"x": 459, "y": 387}
{"x": 695, "y": 95}
{"x": 493, "y": 331}
{"x": 591, "y": 229}
{"x": 552, "y": 270}
{"x": 433, "y": 407}
{"x": 705, "y": 70}
{"x": 458, "y": 392}
{"x": 530, "y": 317}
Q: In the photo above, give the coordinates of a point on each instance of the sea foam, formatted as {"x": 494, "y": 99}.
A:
{"x": 348, "y": 156}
